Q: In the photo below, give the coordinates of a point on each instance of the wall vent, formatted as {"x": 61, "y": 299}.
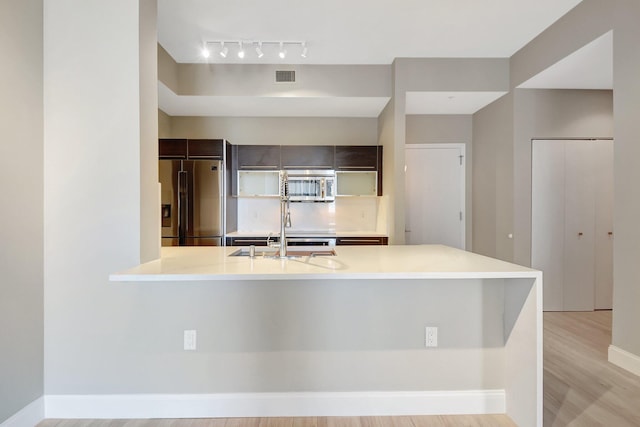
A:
{"x": 285, "y": 76}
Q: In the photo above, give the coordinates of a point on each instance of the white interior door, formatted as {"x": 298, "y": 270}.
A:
{"x": 603, "y": 151}
{"x": 435, "y": 193}
{"x": 547, "y": 219}
{"x": 571, "y": 222}
{"x": 579, "y": 242}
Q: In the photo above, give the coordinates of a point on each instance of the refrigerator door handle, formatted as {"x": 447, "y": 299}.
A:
{"x": 182, "y": 206}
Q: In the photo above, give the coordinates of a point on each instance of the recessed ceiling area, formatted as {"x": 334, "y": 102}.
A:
{"x": 590, "y": 67}
{"x": 268, "y": 106}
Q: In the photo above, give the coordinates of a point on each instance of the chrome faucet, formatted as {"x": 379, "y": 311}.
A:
{"x": 285, "y": 216}
{"x": 285, "y": 212}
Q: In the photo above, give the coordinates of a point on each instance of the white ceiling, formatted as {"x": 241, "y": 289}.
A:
{"x": 362, "y": 32}
{"x": 358, "y": 31}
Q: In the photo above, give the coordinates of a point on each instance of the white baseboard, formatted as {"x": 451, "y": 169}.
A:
{"x": 28, "y": 416}
{"x": 624, "y": 359}
{"x": 274, "y": 404}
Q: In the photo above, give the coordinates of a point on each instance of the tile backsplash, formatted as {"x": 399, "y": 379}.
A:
{"x": 260, "y": 214}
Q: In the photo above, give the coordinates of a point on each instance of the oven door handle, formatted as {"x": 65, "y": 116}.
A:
{"x": 311, "y": 241}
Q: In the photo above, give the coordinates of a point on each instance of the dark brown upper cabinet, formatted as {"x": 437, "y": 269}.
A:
{"x": 205, "y": 148}
{"x": 261, "y": 157}
{"x": 359, "y": 158}
{"x": 172, "y": 148}
{"x": 307, "y": 156}
{"x": 190, "y": 148}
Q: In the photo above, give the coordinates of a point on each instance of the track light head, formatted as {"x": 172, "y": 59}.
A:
{"x": 259, "y": 51}
{"x": 283, "y": 53}
{"x": 240, "y": 51}
{"x": 304, "y": 50}
{"x": 223, "y": 50}
{"x": 205, "y": 52}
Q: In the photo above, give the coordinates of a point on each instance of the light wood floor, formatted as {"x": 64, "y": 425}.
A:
{"x": 580, "y": 389}
{"x": 416, "y": 421}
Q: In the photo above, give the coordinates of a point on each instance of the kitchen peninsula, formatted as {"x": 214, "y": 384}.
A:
{"x": 345, "y": 334}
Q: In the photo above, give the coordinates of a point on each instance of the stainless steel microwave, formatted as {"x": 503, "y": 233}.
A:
{"x": 311, "y": 185}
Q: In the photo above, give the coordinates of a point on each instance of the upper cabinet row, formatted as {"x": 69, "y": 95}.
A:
{"x": 191, "y": 148}
{"x": 275, "y": 157}
{"x": 345, "y": 160}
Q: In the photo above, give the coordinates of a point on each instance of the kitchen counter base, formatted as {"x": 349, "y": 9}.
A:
{"x": 340, "y": 329}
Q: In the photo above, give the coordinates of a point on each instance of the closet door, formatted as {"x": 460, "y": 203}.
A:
{"x": 603, "y": 153}
{"x": 579, "y": 239}
{"x": 547, "y": 219}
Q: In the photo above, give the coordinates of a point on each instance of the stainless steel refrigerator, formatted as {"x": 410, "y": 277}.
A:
{"x": 192, "y": 202}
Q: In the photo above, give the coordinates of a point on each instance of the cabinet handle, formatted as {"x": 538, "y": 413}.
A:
{"x": 360, "y": 240}
{"x": 580, "y": 234}
{"x": 610, "y": 233}
{"x": 307, "y": 167}
{"x": 192, "y": 156}
{"x": 356, "y": 167}
{"x": 258, "y": 167}
{"x": 170, "y": 157}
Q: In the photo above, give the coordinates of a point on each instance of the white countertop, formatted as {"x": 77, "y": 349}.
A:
{"x": 351, "y": 262}
{"x": 309, "y": 233}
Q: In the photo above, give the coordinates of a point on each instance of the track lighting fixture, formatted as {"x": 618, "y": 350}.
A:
{"x": 279, "y": 47}
{"x": 223, "y": 50}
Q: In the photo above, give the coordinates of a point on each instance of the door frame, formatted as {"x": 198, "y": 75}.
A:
{"x": 463, "y": 196}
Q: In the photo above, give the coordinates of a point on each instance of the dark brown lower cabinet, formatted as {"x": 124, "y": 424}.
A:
{"x": 248, "y": 241}
{"x": 362, "y": 240}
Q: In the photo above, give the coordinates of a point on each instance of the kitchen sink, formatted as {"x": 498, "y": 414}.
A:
{"x": 244, "y": 251}
{"x": 291, "y": 253}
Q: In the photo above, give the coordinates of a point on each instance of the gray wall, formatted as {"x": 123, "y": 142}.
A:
{"x": 626, "y": 105}
{"x": 94, "y": 190}
{"x": 386, "y": 133}
{"x": 259, "y": 80}
{"x": 149, "y": 129}
{"x": 438, "y": 129}
{"x": 279, "y": 130}
{"x": 492, "y": 141}
{"x": 21, "y": 206}
{"x": 164, "y": 125}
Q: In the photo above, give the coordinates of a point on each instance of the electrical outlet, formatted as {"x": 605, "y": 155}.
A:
{"x": 431, "y": 336}
{"x": 190, "y": 339}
